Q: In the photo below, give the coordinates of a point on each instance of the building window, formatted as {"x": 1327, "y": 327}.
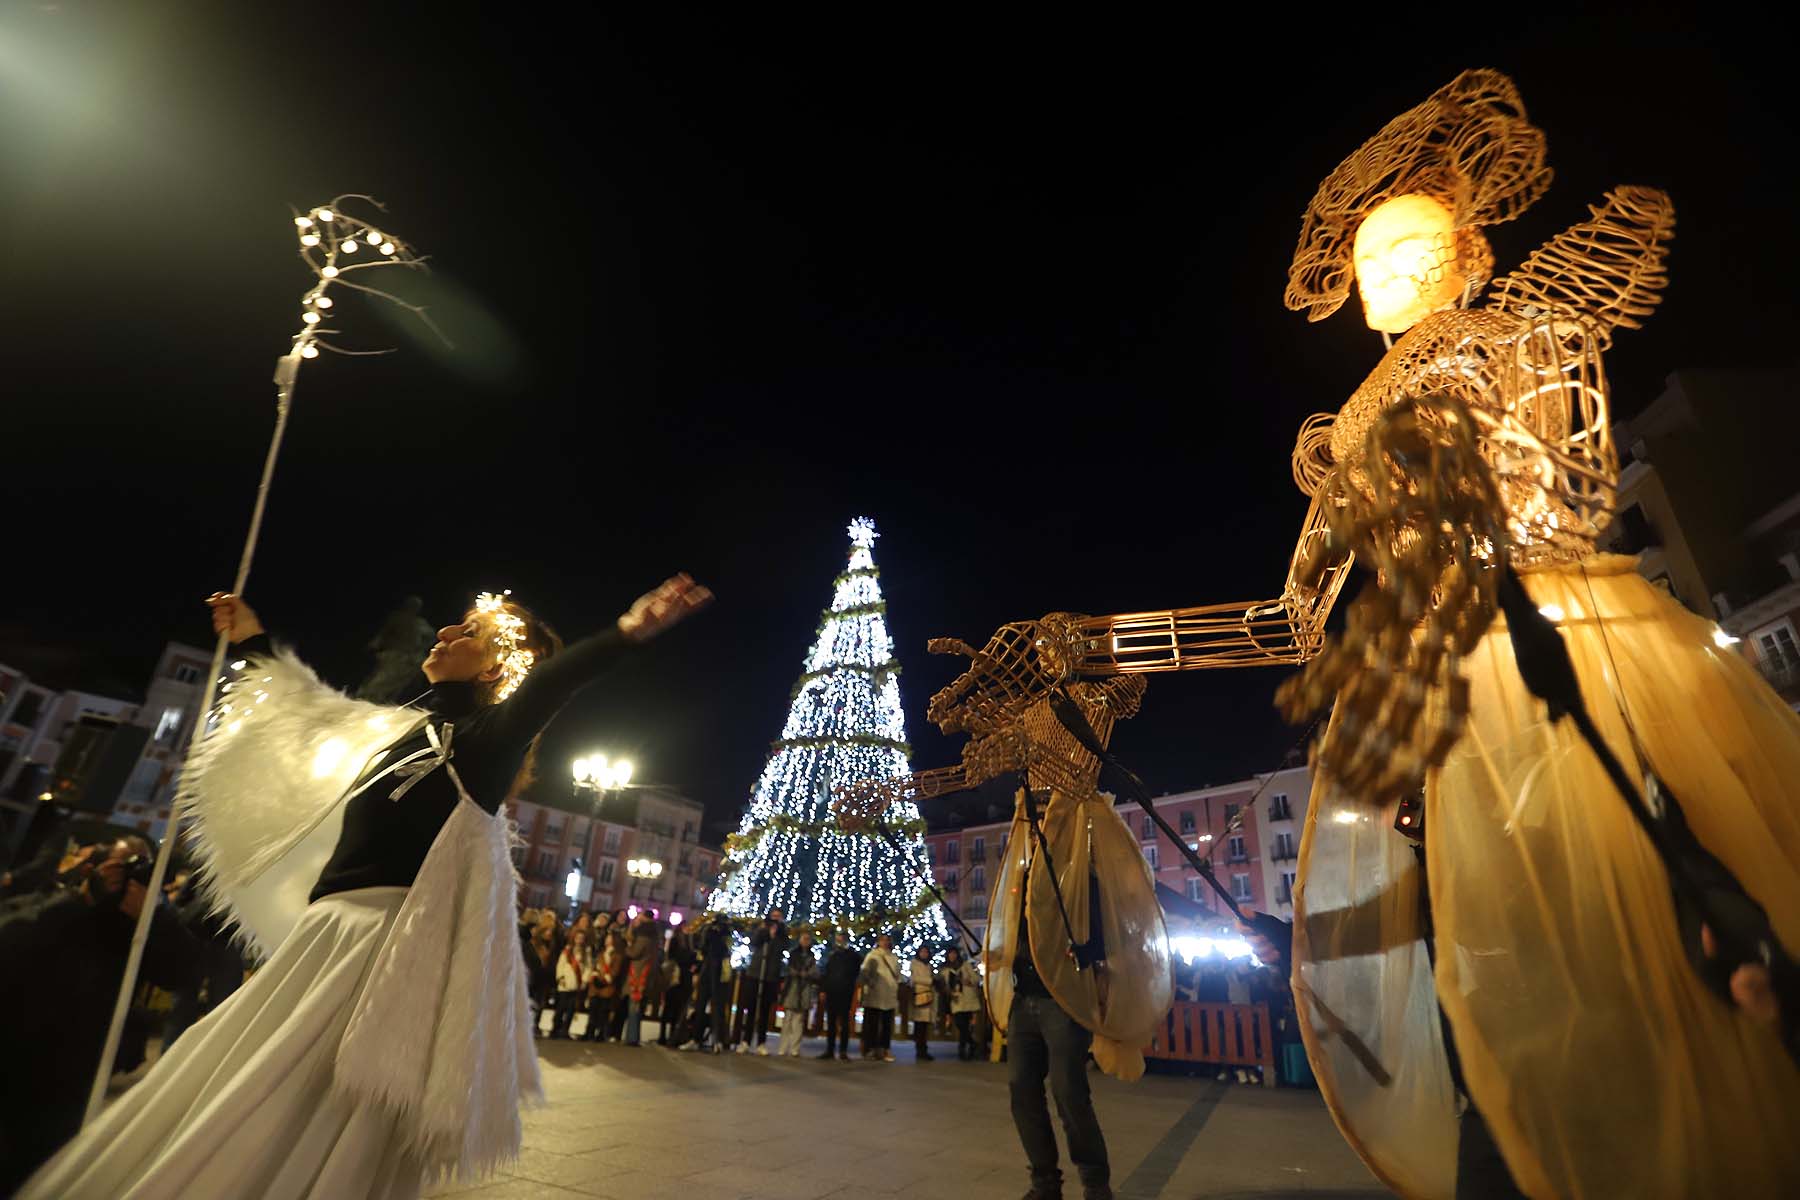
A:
{"x": 518, "y": 856}
{"x": 687, "y": 831}
{"x": 168, "y": 726}
{"x": 1149, "y": 826}
{"x": 186, "y": 673}
{"x": 544, "y": 863}
{"x": 1150, "y": 854}
{"x": 612, "y": 839}
{"x": 633, "y": 893}
{"x": 553, "y": 833}
{"x": 978, "y": 907}
{"x": 1187, "y": 820}
{"x": 978, "y": 878}
{"x": 606, "y": 870}
{"x": 978, "y": 850}
{"x": 1776, "y": 646}
{"x": 1284, "y": 847}
{"x": 931, "y": 853}
{"x": 1278, "y": 807}
{"x": 1195, "y": 889}
{"x": 1234, "y": 850}
{"x": 1231, "y": 812}
{"x": 952, "y": 851}
{"x": 950, "y": 881}
{"x": 1287, "y": 888}
{"x": 1240, "y": 887}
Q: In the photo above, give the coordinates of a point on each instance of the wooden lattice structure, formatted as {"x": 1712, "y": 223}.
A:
{"x": 1012, "y": 729}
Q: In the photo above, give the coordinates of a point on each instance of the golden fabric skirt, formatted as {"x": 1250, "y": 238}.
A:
{"x": 1121, "y": 1001}
{"x": 1601, "y": 1063}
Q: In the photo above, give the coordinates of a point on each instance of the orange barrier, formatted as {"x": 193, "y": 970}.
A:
{"x": 1231, "y": 1035}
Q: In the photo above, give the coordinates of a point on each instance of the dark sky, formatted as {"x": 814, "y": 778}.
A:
{"x": 721, "y": 283}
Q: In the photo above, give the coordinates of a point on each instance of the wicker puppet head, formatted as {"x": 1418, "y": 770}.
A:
{"x": 1467, "y": 152}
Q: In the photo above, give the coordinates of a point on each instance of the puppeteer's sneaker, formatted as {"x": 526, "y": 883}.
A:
{"x": 763, "y": 1050}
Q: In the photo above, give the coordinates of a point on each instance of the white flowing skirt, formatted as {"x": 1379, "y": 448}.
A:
{"x": 243, "y": 1104}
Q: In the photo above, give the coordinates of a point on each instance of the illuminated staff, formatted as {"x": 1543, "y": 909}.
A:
{"x": 340, "y": 249}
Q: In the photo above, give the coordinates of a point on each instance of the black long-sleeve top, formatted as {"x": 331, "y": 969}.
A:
{"x": 384, "y": 841}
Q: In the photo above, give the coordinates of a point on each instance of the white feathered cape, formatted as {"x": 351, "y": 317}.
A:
{"x": 442, "y": 1033}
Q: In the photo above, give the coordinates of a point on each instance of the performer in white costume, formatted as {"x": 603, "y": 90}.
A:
{"x": 362, "y": 848}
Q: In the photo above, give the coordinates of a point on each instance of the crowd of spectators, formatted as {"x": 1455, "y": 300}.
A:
{"x": 613, "y": 970}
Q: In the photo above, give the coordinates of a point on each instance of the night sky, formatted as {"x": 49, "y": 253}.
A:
{"x": 721, "y": 283}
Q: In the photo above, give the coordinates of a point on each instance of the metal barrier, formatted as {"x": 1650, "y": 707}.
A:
{"x": 1231, "y": 1035}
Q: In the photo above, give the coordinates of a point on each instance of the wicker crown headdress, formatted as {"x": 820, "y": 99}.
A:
{"x": 1469, "y": 147}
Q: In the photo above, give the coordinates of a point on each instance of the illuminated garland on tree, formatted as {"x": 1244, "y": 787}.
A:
{"x": 862, "y": 927}
{"x": 844, "y": 724}
{"x": 738, "y": 845}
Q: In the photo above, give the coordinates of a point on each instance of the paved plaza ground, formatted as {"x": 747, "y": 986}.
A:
{"x": 646, "y": 1123}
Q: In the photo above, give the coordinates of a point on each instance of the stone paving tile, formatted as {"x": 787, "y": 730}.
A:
{"x": 646, "y": 1124}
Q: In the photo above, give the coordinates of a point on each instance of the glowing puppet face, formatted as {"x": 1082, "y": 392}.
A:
{"x": 1405, "y": 253}
{"x": 463, "y": 653}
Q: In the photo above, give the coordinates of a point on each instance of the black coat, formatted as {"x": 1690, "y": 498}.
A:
{"x": 768, "y": 951}
{"x": 63, "y": 959}
{"x": 841, "y": 971}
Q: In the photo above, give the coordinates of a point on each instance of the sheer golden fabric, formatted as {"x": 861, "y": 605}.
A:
{"x": 1363, "y": 990}
{"x": 1602, "y": 1064}
{"x": 1121, "y": 1001}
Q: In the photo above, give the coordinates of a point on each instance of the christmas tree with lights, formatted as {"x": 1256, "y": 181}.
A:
{"x": 844, "y": 725}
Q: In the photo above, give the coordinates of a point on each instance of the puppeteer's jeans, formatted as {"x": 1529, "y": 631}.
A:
{"x": 1043, "y": 1041}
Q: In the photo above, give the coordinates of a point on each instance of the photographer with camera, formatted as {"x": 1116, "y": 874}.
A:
{"x": 63, "y": 954}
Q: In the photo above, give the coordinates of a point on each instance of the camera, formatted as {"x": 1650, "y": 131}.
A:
{"x": 139, "y": 868}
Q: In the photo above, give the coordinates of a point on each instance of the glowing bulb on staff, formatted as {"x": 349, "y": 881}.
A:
{"x": 303, "y": 222}
{"x": 311, "y": 318}
{"x": 373, "y": 238}
{"x": 387, "y": 247}
{"x": 309, "y": 351}
{"x": 349, "y": 246}
{"x": 329, "y": 272}
{"x": 325, "y": 214}
{"x": 322, "y": 301}
{"x": 311, "y": 239}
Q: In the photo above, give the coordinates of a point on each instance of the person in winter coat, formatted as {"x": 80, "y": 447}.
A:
{"x": 880, "y": 979}
{"x": 678, "y": 976}
{"x": 841, "y": 972}
{"x": 711, "y": 1019}
{"x": 921, "y": 998}
{"x": 962, "y": 989}
{"x": 797, "y": 993}
{"x": 221, "y": 965}
{"x": 762, "y": 980}
{"x": 540, "y": 963}
{"x": 574, "y": 966}
{"x": 643, "y": 977}
{"x": 64, "y": 952}
{"x": 606, "y": 987}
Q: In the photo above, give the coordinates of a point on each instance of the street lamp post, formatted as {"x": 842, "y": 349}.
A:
{"x": 647, "y": 869}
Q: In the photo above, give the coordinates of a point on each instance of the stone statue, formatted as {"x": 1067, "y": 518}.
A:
{"x": 404, "y": 640}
